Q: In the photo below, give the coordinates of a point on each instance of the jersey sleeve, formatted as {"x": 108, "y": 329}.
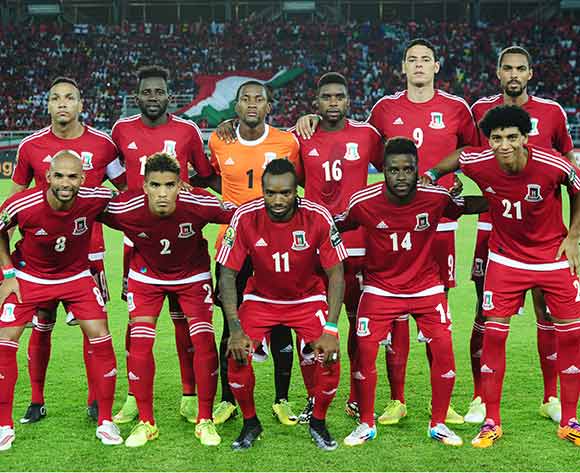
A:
{"x": 294, "y": 157}
{"x": 198, "y": 159}
{"x": 562, "y": 141}
{"x": 377, "y": 158}
{"x": 112, "y": 215}
{"x": 468, "y": 133}
{"x": 570, "y": 177}
{"x": 23, "y": 172}
{"x": 115, "y": 136}
{"x": 212, "y": 209}
{"x": 331, "y": 248}
{"x": 233, "y": 249}
{"x": 455, "y": 207}
{"x": 376, "y": 118}
{"x": 214, "y": 162}
{"x": 8, "y": 214}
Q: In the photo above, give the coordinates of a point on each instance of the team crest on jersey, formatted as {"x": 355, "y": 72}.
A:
{"x": 299, "y": 242}
{"x": 351, "y": 153}
{"x": 269, "y": 156}
{"x": 437, "y": 121}
{"x": 534, "y": 193}
{"x": 229, "y": 237}
{"x": 185, "y": 230}
{"x": 335, "y": 238}
{"x": 80, "y": 226}
{"x": 534, "y": 131}
{"x": 422, "y": 222}
{"x": 8, "y": 313}
{"x": 487, "y": 301}
{"x": 169, "y": 147}
{"x": 362, "y": 327}
{"x": 87, "y": 160}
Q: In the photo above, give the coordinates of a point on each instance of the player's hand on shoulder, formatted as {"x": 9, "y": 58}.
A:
{"x": 328, "y": 347}
{"x": 457, "y": 187}
{"x": 306, "y": 125}
{"x": 9, "y": 286}
{"x": 226, "y": 130}
{"x": 239, "y": 346}
{"x": 425, "y": 180}
{"x": 569, "y": 247}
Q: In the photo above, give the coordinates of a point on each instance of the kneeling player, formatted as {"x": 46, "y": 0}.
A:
{"x": 402, "y": 277}
{"x": 169, "y": 258}
{"x": 283, "y": 236}
{"x": 52, "y": 266}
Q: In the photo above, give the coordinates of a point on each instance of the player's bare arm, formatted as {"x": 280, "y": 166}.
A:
{"x": 328, "y": 344}
{"x": 445, "y": 166}
{"x": 306, "y": 125}
{"x": 10, "y": 283}
{"x": 239, "y": 344}
{"x": 570, "y": 244}
{"x": 214, "y": 182}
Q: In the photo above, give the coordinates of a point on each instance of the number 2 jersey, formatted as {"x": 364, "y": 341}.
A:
{"x": 171, "y": 249}
{"x": 400, "y": 260}
{"x": 54, "y": 244}
{"x": 284, "y": 255}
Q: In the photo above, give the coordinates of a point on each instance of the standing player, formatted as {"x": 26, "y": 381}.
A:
{"x": 335, "y": 162}
{"x": 438, "y": 123}
{"x": 100, "y": 162}
{"x": 239, "y": 165}
{"x": 282, "y": 235}
{"x": 526, "y": 250}
{"x": 155, "y": 130}
{"x": 50, "y": 265}
{"x": 549, "y": 130}
{"x": 401, "y": 277}
{"x": 169, "y": 257}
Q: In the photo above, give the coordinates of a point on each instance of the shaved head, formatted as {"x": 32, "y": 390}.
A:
{"x": 68, "y": 156}
{"x": 65, "y": 177}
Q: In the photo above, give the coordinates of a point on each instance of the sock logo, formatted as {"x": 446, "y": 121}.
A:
{"x": 111, "y": 374}
{"x": 571, "y": 370}
{"x": 133, "y": 376}
{"x": 236, "y": 385}
{"x": 449, "y": 375}
{"x": 358, "y": 375}
{"x": 552, "y": 357}
{"x": 486, "y": 369}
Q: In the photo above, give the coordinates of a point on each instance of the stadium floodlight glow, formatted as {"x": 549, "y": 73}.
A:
{"x": 44, "y": 9}
{"x": 299, "y": 6}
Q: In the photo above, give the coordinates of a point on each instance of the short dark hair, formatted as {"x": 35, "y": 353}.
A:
{"x": 146, "y": 72}
{"x": 277, "y": 167}
{"x": 420, "y": 42}
{"x": 65, "y": 80}
{"x": 505, "y": 116}
{"x": 331, "y": 78}
{"x": 514, "y": 50}
{"x": 266, "y": 87}
{"x": 161, "y": 162}
{"x": 400, "y": 145}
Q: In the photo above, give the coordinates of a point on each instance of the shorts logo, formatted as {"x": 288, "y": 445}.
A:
{"x": 487, "y": 301}
{"x": 169, "y": 147}
{"x": 534, "y": 131}
{"x": 477, "y": 269}
{"x": 437, "y": 121}
{"x": 8, "y": 313}
{"x": 351, "y": 153}
{"x": 422, "y": 222}
{"x": 534, "y": 193}
{"x": 87, "y": 160}
{"x": 299, "y": 242}
{"x": 335, "y": 238}
{"x": 131, "y": 301}
{"x": 185, "y": 230}
{"x": 80, "y": 226}
{"x": 229, "y": 237}
{"x": 362, "y": 327}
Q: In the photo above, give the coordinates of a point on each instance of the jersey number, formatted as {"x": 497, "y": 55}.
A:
{"x": 60, "y": 244}
{"x": 281, "y": 262}
{"x": 507, "y": 211}
{"x": 165, "y": 250}
{"x": 418, "y": 137}
{"x": 250, "y": 174}
{"x": 405, "y": 243}
{"x": 332, "y": 170}
{"x": 577, "y": 286}
{"x": 143, "y": 161}
{"x": 208, "y": 299}
{"x": 443, "y": 315}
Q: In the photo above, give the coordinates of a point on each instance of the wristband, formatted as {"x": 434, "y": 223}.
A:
{"x": 9, "y": 272}
{"x": 330, "y": 329}
{"x": 433, "y": 175}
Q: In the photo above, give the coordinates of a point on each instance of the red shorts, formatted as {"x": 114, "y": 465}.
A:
{"x": 505, "y": 288}
{"x": 353, "y": 267}
{"x": 376, "y": 315}
{"x": 480, "y": 255}
{"x": 81, "y": 297}
{"x": 306, "y": 319}
{"x": 444, "y": 253}
{"x": 146, "y": 300}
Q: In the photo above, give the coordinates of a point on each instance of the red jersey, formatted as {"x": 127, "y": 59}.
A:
{"x": 335, "y": 165}
{"x": 400, "y": 261}
{"x": 54, "y": 244}
{"x": 178, "y": 137}
{"x": 283, "y": 254}
{"x": 525, "y": 208}
{"x": 168, "y": 250}
{"x": 438, "y": 127}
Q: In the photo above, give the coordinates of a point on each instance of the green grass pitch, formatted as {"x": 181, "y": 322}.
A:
{"x": 65, "y": 440}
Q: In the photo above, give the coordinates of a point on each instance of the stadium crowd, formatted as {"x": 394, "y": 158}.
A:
{"x": 104, "y": 57}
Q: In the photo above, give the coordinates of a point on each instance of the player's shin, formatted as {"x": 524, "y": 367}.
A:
{"x": 493, "y": 363}
{"x": 184, "y": 351}
{"x": 141, "y": 366}
{"x": 87, "y": 357}
{"x": 39, "y": 347}
{"x": 568, "y": 345}
{"x": 205, "y": 365}
{"x": 548, "y": 356}
{"x": 366, "y": 380}
{"x": 397, "y": 357}
{"x": 9, "y": 372}
{"x": 104, "y": 369}
{"x": 281, "y": 347}
{"x": 242, "y": 382}
{"x": 442, "y": 377}
{"x": 327, "y": 379}
{"x": 475, "y": 350}
{"x": 352, "y": 351}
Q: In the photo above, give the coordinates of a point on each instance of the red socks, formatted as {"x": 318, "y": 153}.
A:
{"x": 442, "y": 377}
{"x": 475, "y": 349}
{"x": 141, "y": 368}
{"x": 397, "y": 357}
{"x": 327, "y": 379}
{"x": 104, "y": 370}
{"x": 204, "y": 364}
{"x": 366, "y": 380}
{"x": 8, "y": 377}
{"x": 242, "y": 382}
{"x": 39, "y": 347}
{"x": 87, "y": 356}
{"x": 548, "y": 358}
{"x": 568, "y": 340}
{"x": 184, "y": 352}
